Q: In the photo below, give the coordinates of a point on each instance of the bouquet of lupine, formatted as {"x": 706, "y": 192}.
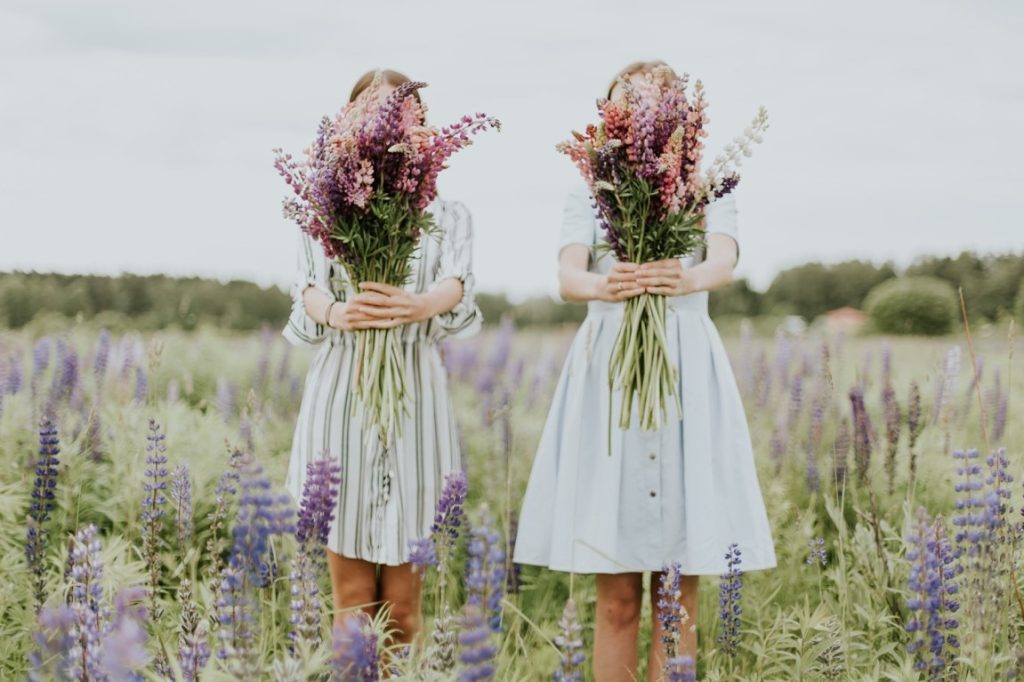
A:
{"x": 362, "y": 191}
{"x": 642, "y": 164}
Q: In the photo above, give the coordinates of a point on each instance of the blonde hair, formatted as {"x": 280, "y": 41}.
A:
{"x": 392, "y": 78}
{"x": 642, "y": 68}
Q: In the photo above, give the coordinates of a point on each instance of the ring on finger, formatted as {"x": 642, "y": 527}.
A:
{"x": 619, "y": 286}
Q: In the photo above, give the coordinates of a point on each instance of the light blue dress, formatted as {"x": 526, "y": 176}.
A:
{"x": 683, "y": 493}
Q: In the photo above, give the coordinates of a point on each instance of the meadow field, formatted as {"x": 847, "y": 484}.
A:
{"x": 144, "y": 536}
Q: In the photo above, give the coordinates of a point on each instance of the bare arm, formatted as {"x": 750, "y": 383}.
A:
{"x": 380, "y": 306}
{"x": 576, "y": 283}
{"x": 670, "y": 278}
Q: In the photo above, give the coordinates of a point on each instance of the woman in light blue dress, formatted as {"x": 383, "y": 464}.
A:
{"x": 683, "y": 493}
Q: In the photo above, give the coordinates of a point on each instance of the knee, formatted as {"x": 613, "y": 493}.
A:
{"x": 404, "y": 615}
{"x": 620, "y": 608}
{"x": 355, "y": 595}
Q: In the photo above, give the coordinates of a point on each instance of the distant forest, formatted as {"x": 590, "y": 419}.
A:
{"x": 993, "y": 286}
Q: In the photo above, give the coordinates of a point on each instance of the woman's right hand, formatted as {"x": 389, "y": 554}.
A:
{"x": 351, "y": 315}
{"x": 620, "y": 283}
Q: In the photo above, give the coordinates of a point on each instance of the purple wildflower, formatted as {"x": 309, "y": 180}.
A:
{"x": 729, "y": 596}
{"x": 181, "y": 496}
{"x": 237, "y": 634}
{"x": 680, "y": 669}
{"x": 123, "y": 651}
{"x": 319, "y": 501}
{"x": 305, "y": 598}
{"x": 485, "y": 572}
{"x": 893, "y": 423}
{"x": 448, "y": 517}
{"x": 946, "y": 386}
{"x": 141, "y": 385}
{"x": 261, "y": 516}
{"x": 101, "y": 357}
{"x": 193, "y": 647}
{"x": 840, "y": 451}
{"x": 915, "y": 424}
{"x": 932, "y": 583}
{"x": 53, "y": 641}
{"x": 818, "y": 554}
{"x": 476, "y": 650}
{"x": 40, "y": 361}
{"x": 569, "y": 643}
{"x": 861, "y": 434}
{"x": 670, "y": 611}
{"x": 44, "y": 489}
{"x": 153, "y": 501}
{"x": 92, "y": 619}
{"x": 224, "y": 399}
{"x": 970, "y": 519}
{"x": 422, "y": 554}
{"x": 227, "y": 488}
{"x": 355, "y": 656}
{"x": 441, "y": 653}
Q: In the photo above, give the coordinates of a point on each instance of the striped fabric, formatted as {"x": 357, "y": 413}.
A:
{"x": 388, "y": 494}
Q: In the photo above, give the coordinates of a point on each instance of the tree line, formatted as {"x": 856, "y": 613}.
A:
{"x": 993, "y": 285}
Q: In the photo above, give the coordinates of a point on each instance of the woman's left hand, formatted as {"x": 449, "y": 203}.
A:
{"x": 390, "y": 306}
{"x": 665, "y": 277}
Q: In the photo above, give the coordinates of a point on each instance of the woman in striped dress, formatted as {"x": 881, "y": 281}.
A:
{"x": 388, "y": 494}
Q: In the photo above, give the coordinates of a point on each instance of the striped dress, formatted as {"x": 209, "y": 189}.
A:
{"x": 388, "y": 494}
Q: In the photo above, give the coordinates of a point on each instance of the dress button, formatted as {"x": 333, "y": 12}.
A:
{"x": 653, "y": 494}
{"x": 652, "y": 455}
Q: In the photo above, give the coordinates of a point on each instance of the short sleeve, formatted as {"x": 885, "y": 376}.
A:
{"x": 456, "y": 261}
{"x": 301, "y": 329}
{"x": 577, "y": 220}
{"x": 721, "y": 218}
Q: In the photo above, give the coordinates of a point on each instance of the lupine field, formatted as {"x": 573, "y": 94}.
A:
{"x": 146, "y": 535}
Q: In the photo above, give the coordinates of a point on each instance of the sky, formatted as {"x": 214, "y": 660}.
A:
{"x": 137, "y": 137}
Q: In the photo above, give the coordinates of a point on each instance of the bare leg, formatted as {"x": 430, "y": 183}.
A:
{"x": 619, "y": 598}
{"x": 353, "y": 585}
{"x": 687, "y": 628}
{"x": 401, "y": 590}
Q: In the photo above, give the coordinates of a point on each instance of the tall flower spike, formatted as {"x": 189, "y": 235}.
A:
{"x": 485, "y": 573}
{"x": 861, "y": 434}
{"x": 53, "y": 643}
{"x": 193, "y": 644}
{"x": 305, "y": 598}
{"x": 123, "y": 651}
{"x": 476, "y": 650}
{"x": 441, "y": 654}
{"x": 569, "y": 643}
{"x": 261, "y": 516}
{"x": 44, "y": 489}
{"x": 319, "y": 501}
{"x": 181, "y": 496}
{"x": 92, "y": 618}
{"x": 152, "y": 517}
{"x": 932, "y": 582}
{"x": 670, "y": 608}
{"x": 729, "y": 595}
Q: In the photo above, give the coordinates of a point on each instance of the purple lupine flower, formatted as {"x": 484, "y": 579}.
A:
{"x": 970, "y": 504}
{"x": 44, "y": 488}
{"x": 997, "y": 496}
{"x": 141, "y": 385}
{"x": 181, "y": 496}
{"x": 815, "y": 434}
{"x": 861, "y": 434}
{"x": 237, "y": 650}
{"x": 92, "y": 619}
{"x": 476, "y": 650}
{"x": 670, "y": 610}
{"x": 261, "y": 516}
{"x": 729, "y": 596}
{"x": 893, "y": 423}
{"x": 440, "y": 655}
{"x": 998, "y": 404}
{"x": 840, "y": 451}
{"x": 153, "y": 501}
{"x": 129, "y": 351}
{"x": 319, "y": 501}
{"x": 40, "y": 361}
{"x": 193, "y": 645}
{"x": 915, "y": 424}
{"x": 449, "y": 514}
{"x": 818, "y": 555}
{"x": 796, "y": 402}
{"x": 123, "y": 651}
{"x": 355, "y": 656}
{"x": 305, "y": 598}
{"x": 65, "y": 375}
{"x": 422, "y": 554}
{"x": 763, "y": 379}
{"x": 485, "y": 572}
{"x": 227, "y": 488}
{"x": 93, "y": 445}
{"x": 932, "y": 582}
{"x": 778, "y": 445}
{"x": 14, "y": 377}
{"x": 100, "y": 358}
{"x": 53, "y": 642}
{"x": 569, "y": 643}
{"x": 680, "y": 669}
